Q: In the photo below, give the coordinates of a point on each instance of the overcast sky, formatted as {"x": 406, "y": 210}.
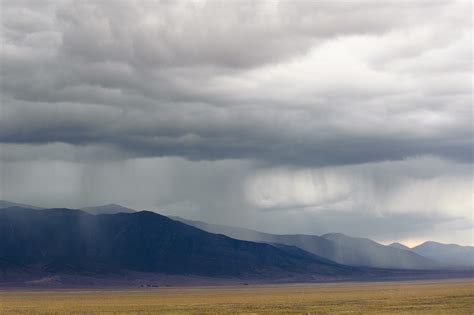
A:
{"x": 284, "y": 116}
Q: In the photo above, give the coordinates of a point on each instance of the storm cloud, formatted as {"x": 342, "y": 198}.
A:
{"x": 245, "y": 112}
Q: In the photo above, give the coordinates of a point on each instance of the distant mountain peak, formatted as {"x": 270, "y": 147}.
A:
{"x": 340, "y": 237}
{"x": 451, "y": 254}
{"x": 438, "y": 244}
{"x": 399, "y": 246}
{"x": 108, "y": 209}
{"x": 333, "y": 235}
{"x": 8, "y": 204}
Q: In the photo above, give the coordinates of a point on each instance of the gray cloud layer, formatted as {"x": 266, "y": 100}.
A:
{"x": 313, "y": 84}
{"x": 291, "y": 116}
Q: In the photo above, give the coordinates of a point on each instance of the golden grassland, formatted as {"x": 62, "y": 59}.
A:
{"x": 425, "y": 297}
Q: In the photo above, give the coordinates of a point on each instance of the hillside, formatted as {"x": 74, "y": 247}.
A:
{"x": 107, "y": 209}
{"x": 335, "y": 247}
{"x": 449, "y": 254}
{"x": 399, "y": 246}
{"x": 72, "y": 241}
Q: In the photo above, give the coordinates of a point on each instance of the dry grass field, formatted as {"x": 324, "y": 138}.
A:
{"x": 420, "y": 297}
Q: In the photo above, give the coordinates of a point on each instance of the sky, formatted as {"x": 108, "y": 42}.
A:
{"x": 282, "y": 116}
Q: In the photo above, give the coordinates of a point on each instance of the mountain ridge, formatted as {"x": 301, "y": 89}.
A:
{"x": 110, "y": 208}
{"x": 7, "y": 204}
{"x": 336, "y": 247}
{"x": 451, "y": 254}
{"x": 328, "y": 247}
{"x": 72, "y": 241}
{"x": 399, "y": 246}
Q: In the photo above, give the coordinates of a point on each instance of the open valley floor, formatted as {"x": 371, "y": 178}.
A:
{"x": 455, "y": 296}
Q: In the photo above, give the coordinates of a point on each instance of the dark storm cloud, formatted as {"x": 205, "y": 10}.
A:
{"x": 306, "y": 84}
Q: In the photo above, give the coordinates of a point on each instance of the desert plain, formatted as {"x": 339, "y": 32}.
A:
{"x": 454, "y": 296}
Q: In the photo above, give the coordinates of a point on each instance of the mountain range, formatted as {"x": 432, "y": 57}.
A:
{"x": 355, "y": 251}
{"x": 65, "y": 240}
{"x": 337, "y": 247}
{"x": 449, "y": 254}
{"x": 115, "y": 239}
